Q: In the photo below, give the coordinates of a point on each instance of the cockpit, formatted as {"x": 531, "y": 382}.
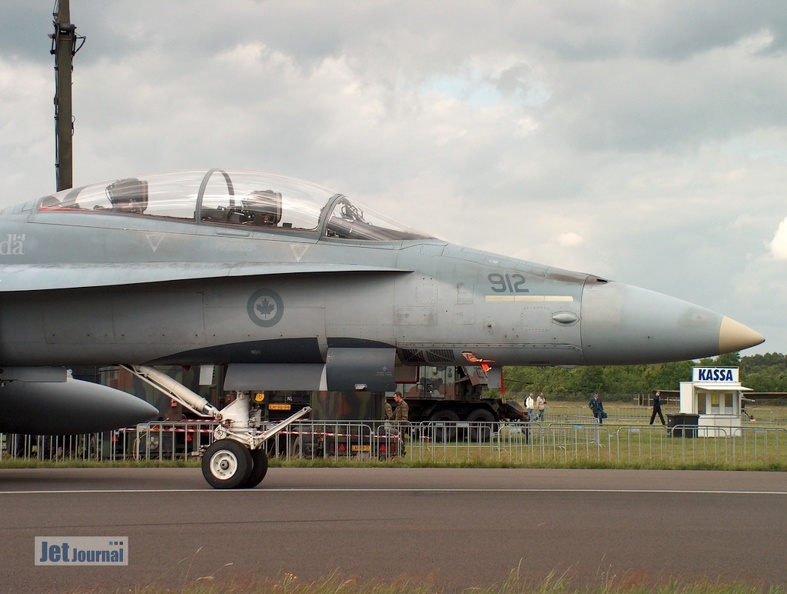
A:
{"x": 252, "y": 201}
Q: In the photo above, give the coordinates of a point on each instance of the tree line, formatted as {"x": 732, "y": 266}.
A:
{"x": 761, "y": 373}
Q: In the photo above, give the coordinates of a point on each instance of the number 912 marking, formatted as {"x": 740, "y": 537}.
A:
{"x": 507, "y": 283}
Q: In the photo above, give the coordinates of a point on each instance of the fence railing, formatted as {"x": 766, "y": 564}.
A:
{"x": 560, "y": 441}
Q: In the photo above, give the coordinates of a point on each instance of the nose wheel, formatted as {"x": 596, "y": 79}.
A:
{"x": 226, "y": 464}
{"x": 259, "y": 460}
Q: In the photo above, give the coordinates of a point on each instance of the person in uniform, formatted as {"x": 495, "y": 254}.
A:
{"x": 402, "y": 411}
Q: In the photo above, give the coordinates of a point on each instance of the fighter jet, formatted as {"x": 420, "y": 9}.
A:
{"x": 293, "y": 287}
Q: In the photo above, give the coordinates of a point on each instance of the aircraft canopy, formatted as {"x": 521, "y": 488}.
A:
{"x": 254, "y": 201}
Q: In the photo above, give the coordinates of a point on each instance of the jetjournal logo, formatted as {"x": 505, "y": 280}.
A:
{"x": 81, "y": 550}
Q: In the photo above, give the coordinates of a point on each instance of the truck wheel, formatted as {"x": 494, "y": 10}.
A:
{"x": 481, "y": 428}
{"x": 227, "y": 464}
{"x": 444, "y": 433}
{"x": 259, "y": 460}
{"x": 305, "y": 448}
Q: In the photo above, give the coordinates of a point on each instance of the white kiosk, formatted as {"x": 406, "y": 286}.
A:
{"x": 716, "y": 395}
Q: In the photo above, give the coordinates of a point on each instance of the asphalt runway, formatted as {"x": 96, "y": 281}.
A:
{"x": 452, "y": 528}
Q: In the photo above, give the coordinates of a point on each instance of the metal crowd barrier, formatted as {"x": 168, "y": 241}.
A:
{"x": 559, "y": 441}
{"x": 164, "y": 440}
{"x": 51, "y": 447}
{"x": 324, "y": 439}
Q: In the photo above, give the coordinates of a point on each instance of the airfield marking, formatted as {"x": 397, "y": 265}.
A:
{"x": 396, "y": 490}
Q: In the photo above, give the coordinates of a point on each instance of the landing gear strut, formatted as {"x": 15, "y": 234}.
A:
{"x": 237, "y": 458}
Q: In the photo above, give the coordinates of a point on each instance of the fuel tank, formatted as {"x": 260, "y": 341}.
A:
{"x": 68, "y": 407}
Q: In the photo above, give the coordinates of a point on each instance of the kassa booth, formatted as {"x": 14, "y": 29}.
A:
{"x": 715, "y": 397}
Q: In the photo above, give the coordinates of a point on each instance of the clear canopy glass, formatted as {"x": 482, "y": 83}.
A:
{"x": 255, "y": 201}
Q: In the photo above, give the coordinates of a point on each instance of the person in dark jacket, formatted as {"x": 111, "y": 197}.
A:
{"x": 657, "y": 408}
{"x": 597, "y": 407}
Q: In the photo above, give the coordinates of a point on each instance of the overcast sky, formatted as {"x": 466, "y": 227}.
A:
{"x": 644, "y": 141}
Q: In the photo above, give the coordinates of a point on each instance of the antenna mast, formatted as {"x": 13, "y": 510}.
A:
{"x": 64, "y": 47}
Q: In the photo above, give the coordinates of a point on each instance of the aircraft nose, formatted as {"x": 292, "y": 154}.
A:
{"x": 734, "y": 336}
{"x": 623, "y": 324}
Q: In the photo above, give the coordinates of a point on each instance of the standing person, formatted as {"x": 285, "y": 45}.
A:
{"x": 657, "y": 408}
{"x": 530, "y": 405}
{"x": 597, "y": 407}
{"x": 402, "y": 411}
{"x": 541, "y": 404}
{"x": 744, "y": 400}
{"x": 387, "y": 427}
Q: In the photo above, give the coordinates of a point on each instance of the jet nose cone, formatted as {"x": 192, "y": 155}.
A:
{"x": 734, "y": 336}
{"x": 622, "y": 324}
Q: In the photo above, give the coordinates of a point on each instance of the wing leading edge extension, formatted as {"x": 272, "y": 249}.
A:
{"x": 37, "y": 277}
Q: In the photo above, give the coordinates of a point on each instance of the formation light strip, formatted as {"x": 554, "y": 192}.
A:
{"x": 530, "y": 298}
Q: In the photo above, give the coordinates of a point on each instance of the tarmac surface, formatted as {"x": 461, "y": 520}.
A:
{"x": 451, "y": 528}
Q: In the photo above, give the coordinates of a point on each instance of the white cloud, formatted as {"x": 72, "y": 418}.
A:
{"x": 570, "y": 239}
{"x": 779, "y": 244}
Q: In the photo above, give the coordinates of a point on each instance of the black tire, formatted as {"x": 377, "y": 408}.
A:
{"x": 444, "y": 416}
{"x": 296, "y": 448}
{"x": 481, "y": 433}
{"x": 305, "y": 446}
{"x": 227, "y": 464}
{"x": 259, "y": 460}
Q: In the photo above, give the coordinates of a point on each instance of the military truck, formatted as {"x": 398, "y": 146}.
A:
{"x": 455, "y": 394}
{"x": 343, "y": 424}
{"x": 448, "y": 400}
{"x": 434, "y": 394}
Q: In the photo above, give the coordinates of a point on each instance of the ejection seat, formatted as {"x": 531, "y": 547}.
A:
{"x": 128, "y": 195}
